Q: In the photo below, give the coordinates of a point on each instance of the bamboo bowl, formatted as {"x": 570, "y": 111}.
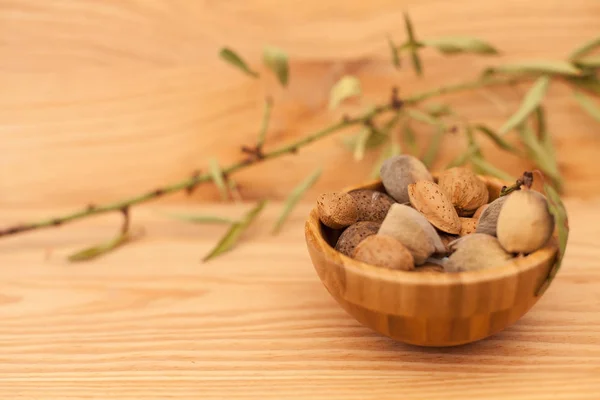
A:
{"x": 429, "y": 308}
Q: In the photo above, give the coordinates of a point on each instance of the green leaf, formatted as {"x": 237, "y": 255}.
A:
{"x": 462, "y": 158}
{"x": 499, "y": 140}
{"x": 361, "y": 143}
{"x": 218, "y": 178}
{"x": 588, "y": 83}
{"x": 471, "y": 139}
{"x": 423, "y": 117}
{"x": 370, "y": 139}
{"x": 277, "y": 61}
{"x": 539, "y": 67}
{"x": 392, "y": 149}
{"x": 264, "y": 126}
{"x": 486, "y": 168}
{"x": 409, "y": 137}
{"x": 294, "y": 197}
{"x": 531, "y": 101}
{"x": 542, "y": 131}
{"x": 589, "y": 105}
{"x": 391, "y": 123}
{"x": 235, "y": 232}
{"x": 395, "y": 53}
{"x": 460, "y": 44}
{"x": 201, "y": 219}
{"x": 413, "y": 45}
{"x": 538, "y": 153}
{"x": 561, "y": 220}
{"x": 585, "y": 48}
{"x": 348, "y": 86}
{"x": 589, "y": 62}
{"x": 232, "y": 58}
{"x": 434, "y": 147}
{"x": 438, "y": 110}
{"x": 100, "y": 249}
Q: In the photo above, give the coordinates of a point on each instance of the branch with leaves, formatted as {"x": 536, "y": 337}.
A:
{"x": 391, "y": 136}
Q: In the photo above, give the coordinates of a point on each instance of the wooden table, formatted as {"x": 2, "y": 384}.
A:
{"x": 150, "y": 321}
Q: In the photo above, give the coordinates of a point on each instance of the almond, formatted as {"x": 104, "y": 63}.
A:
{"x": 412, "y": 229}
{"x": 427, "y": 198}
{"x": 464, "y": 189}
{"x": 489, "y": 217}
{"x": 384, "y": 251}
{"x": 398, "y": 172}
{"x": 480, "y": 211}
{"x": 429, "y": 268}
{"x": 372, "y": 205}
{"x": 474, "y": 252}
{"x": 446, "y": 240}
{"x": 337, "y": 210}
{"x": 525, "y": 223}
{"x": 354, "y": 234}
{"x": 468, "y": 226}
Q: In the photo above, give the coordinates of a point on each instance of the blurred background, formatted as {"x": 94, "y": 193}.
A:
{"x": 105, "y": 99}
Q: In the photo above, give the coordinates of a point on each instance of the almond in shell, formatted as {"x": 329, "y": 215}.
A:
{"x": 427, "y": 198}
{"x": 337, "y": 210}
{"x": 384, "y": 251}
{"x": 464, "y": 189}
{"x": 412, "y": 229}
{"x": 469, "y": 225}
{"x": 525, "y": 223}
{"x": 489, "y": 217}
{"x": 475, "y": 252}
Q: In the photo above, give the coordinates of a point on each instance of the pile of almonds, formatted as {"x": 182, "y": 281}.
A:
{"x": 445, "y": 225}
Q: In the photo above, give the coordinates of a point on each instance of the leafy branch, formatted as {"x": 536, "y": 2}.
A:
{"x": 580, "y": 71}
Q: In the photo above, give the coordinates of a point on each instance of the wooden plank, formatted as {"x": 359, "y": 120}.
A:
{"x": 150, "y": 321}
{"x": 104, "y": 99}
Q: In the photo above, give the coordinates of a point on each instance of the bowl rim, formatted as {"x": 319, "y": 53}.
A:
{"x": 511, "y": 268}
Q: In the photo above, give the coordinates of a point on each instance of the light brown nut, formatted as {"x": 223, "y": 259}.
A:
{"x": 337, "y": 210}
{"x": 446, "y": 240}
{"x": 372, "y": 205}
{"x": 398, "y": 172}
{"x": 525, "y": 223}
{"x": 429, "y": 268}
{"x": 427, "y": 198}
{"x": 384, "y": 251}
{"x": 354, "y": 234}
{"x": 480, "y": 211}
{"x": 464, "y": 189}
{"x": 489, "y": 217}
{"x": 468, "y": 226}
{"x": 412, "y": 229}
{"x": 474, "y": 252}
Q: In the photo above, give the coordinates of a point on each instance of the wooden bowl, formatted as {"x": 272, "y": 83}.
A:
{"x": 429, "y": 308}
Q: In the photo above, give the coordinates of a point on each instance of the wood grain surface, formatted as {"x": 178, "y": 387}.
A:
{"x": 150, "y": 321}
{"x": 106, "y": 98}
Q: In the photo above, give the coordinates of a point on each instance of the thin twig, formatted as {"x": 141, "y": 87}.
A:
{"x": 192, "y": 182}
